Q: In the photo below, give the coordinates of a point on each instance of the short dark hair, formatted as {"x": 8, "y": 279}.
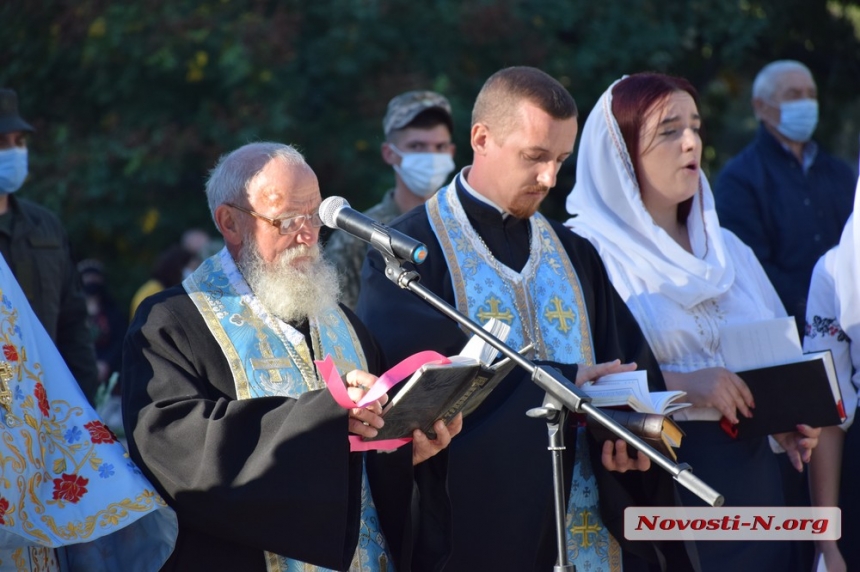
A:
{"x": 507, "y": 88}
{"x": 430, "y": 118}
{"x": 632, "y": 98}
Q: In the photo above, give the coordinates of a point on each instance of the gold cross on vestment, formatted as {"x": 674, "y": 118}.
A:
{"x": 494, "y": 312}
{"x": 6, "y": 373}
{"x": 585, "y": 529}
{"x": 560, "y": 314}
{"x": 273, "y": 365}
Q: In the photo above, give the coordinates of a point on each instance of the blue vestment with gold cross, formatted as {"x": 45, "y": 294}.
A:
{"x": 543, "y": 303}
{"x": 269, "y": 357}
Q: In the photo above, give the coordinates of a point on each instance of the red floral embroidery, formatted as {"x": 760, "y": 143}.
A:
{"x": 100, "y": 433}
{"x": 4, "y": 506}
{"x": 42, "y": 398}
{"x": 10, "y": 352}
{"x": 70, "y": 488}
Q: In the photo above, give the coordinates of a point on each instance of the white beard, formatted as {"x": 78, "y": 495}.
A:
{"x": 291, "y": 292}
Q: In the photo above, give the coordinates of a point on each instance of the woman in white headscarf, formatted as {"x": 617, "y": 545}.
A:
{"x": 641, "y": 198}
{"x": 832, "y": 323}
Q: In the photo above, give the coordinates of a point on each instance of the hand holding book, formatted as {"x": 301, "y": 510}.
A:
{"x": 366, "y": 420}
{"x": 789, "y": 388}
{"x": 363, "y": 394}
{"x": 649, "y": 418}
{"x": 423, "y": 447}
{"x": 631, "y": 389}
{"x": 443, "y": 388}
{"x": 659, "y": 431}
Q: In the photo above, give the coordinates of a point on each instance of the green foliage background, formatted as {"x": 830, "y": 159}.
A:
{"x": 135, "y": 101}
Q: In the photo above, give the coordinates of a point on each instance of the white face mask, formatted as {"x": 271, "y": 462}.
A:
{"x": 798, "y": 119}
{"x": 423, "y": 173}
{"x": 13, "y": 169}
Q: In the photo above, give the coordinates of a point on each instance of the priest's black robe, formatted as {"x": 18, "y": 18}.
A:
{"x": 269, "y": 473}
{"x": 500, "y": 475}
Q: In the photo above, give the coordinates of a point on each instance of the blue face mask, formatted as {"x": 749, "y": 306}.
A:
{"x": 798, "y": 119}
{"x": 13, "y": 169}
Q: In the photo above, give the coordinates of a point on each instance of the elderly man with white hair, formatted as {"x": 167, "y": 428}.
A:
{"x": 226, "y": 413}
{"x": 783, "y": 195}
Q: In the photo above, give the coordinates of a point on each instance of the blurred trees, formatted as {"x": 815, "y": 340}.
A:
{"x": 135, "y": 101}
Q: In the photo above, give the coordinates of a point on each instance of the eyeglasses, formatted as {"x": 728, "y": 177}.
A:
{"x": 286, "y": 225}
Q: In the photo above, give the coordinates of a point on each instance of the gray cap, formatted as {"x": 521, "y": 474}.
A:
{"x": 406, "y": 106}
{"x": 9, "y": 119}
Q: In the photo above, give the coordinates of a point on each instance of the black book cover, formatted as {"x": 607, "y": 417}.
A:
{"x": 430, "y": 393}
{"x": 786, "y": 395}
{"x": 439, "y": 391}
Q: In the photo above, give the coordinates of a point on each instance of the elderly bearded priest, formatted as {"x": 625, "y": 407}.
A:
{"x": 226, "y": 414}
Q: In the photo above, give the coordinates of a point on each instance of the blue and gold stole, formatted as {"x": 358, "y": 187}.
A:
{"x": 544, "y": 305}
{"x": 269, "y": 357}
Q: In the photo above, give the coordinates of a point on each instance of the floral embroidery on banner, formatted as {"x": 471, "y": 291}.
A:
{"x": 100, "y": 433}
{"x": 70, "y": 488}
{"x": 10, "y": 353}
{"x": 4, "y": 508}
{"x": 53, "y": 449}
{"x": 42, "y": 399}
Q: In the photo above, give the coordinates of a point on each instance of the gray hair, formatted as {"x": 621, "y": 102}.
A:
{"x": 228, "y": 181}
{"x": 766, "y": 81}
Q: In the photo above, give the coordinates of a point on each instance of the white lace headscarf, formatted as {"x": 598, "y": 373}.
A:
{"x": 608, "y": 209}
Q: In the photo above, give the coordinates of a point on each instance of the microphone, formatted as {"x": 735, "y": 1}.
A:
{"x": 335, "y": 212}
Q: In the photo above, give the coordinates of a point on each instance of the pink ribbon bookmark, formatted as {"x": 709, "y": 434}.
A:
{"x": 337, "y": 388}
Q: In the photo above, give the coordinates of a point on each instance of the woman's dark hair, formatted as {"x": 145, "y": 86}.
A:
{"x": 632, "y": 98}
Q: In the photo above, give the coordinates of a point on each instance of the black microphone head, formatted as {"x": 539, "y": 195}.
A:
{"x": 329, "y": 208}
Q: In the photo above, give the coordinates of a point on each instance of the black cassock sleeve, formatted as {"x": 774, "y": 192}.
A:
{"x": 270, "y": 473}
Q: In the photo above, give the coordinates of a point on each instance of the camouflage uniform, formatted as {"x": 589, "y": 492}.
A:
{"x": 347, "y": 252}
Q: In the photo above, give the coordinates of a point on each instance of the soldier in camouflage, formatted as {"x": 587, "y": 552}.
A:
{"x": 418, "y": 128}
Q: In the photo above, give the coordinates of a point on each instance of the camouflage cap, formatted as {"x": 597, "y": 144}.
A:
{"x": 9, "y": 119}
{"x": 406, "y": 106}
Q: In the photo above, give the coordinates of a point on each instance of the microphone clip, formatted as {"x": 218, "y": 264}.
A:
{"x": 395, "y": 272}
